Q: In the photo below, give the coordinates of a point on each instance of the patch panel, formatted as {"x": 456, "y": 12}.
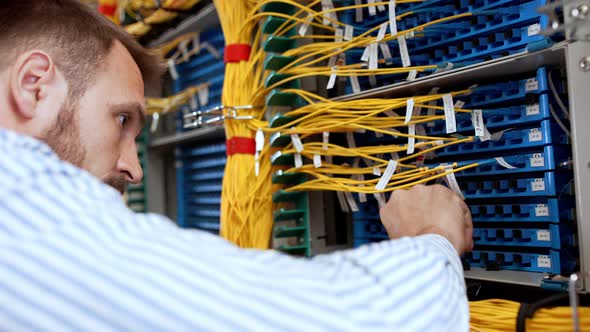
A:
{"x": 501, "y": 117}
{"x": 555, "y": 236}
{"x": 496, "y": 28}
{"x": 547, "y": 158}
{"x": 199, "y": 181}
{"x": 539, "y": 210}
{"x": 546, "y": 134}
{"x": 544, "y": 184}
{"x": 552, "y": 261}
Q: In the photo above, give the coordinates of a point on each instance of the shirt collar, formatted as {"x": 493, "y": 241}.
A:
{"x": 14, "y": 141}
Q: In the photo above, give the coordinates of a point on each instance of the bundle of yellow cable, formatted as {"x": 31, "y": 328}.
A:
{"x": 172, "y": 103}
{"x": 497, "y": 315}
{"x": 323, "y": 115}
{"x": 246, "y": 203}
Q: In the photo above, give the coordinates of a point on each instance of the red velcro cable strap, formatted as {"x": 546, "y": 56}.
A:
{"x": 236, "y": 53}
{"x": 107, "y": 10}
{"x": 243, "y": 145}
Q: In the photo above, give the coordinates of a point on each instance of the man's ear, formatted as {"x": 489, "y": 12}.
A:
{"x": 29, "y": 77}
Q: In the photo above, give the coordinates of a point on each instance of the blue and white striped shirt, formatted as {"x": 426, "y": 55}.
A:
{"x": 73, "y": 257}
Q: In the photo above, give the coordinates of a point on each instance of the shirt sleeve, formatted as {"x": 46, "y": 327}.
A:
{"x": 96, "y": 265}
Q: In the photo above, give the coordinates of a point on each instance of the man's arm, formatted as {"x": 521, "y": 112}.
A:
{"x": 95, "y": 265}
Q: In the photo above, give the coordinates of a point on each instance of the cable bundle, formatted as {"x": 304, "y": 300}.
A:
{"x": 246, "y": 205}
{"x": 497, "y": 315}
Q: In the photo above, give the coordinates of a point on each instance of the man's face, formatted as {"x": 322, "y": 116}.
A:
{"x": 98, "y": 131}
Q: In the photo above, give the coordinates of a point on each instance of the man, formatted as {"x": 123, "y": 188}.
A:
{"x": 73, "y": 257}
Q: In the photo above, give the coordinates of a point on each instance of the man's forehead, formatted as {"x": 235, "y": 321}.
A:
{"x": 124, "y": 67}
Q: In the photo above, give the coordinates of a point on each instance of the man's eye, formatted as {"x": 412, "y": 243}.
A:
{"x": 123, "y": 119}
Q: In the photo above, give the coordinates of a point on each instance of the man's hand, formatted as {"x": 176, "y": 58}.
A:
{"x": 429, "y": 210}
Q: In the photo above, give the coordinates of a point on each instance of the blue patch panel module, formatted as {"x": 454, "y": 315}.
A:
{"x": 494, "y": 29}
{"x": 200, "y": 167}
{"x": 522, "y": 216}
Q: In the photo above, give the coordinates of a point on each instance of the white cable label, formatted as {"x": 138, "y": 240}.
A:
{"x": 392, "y": 18}
{"x": 373, "y": 56}
{"x": 298, "y": 160}
{"x": 351, "y": 202}
{"x": 542, "y": 210}
{"x": 372, "y": 8}
{"x": 544, "y": 261}
{"x": 411, "y": 139}
{"x": 338, "y": 35}
{"x": 381, "y": 33}
{"x": 403, "y": 51}
{"x": 537, "y": 160}
{"x": 535, "y": 135}
{"x": 332, "y": 61}
{"x": 534, "y": 29}
{"x": 380, "y": 6}
{"x": 504, "y": 163}
{"x": 412, "y": 75}
{"x": 376, "y": 171}
{"x": 380, "y": 199}
{"x": 183, "y": 46}
{"x": 317, "y": 161}
{"x": 409, "y": 110}
{"x": 259, "y": 139}
{"x": 394, "y": 155}
{"x": 203, "y": 96}
{"x": 451, "y": 181}
{"x": 342, "y": 201}
{"x": 385, "y": 50}
{"x": 327, "y": 5}
{"x": 365, "y": 57}
{"x": 487, "y": 136}
{"x": 193, "y": 103}
{"x": 543, "y": 235}
{"x": 532, "y": 109}
{"x": 350, "y": 140}
{"x": 303, "y": 28}
{"x": 172, "y": 69}
{"x": 155, "y": 122}
{"x": 296, "y": 142}
{"x": 354, "y": 83}
{"x": 387, "y": 174}
{"x": 348, "y": 32}
{"x": 451, "y": 123}
{"x": 325, "y": 140}
{"x": 362, "y": 196}
{"x": 531, "y": 85}
{"x": 332, "y": 79}
{"x": 538, "y": 185}
{"x": 459, "y": 104}
{"x": 431, "y": 111}
{"x": 477, "y": 120}
{"x": 358, "y": 17}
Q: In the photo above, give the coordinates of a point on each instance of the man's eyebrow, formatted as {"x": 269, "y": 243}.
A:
{"x": 131, "y": 107}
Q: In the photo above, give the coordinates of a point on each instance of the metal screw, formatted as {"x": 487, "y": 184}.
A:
{"x": 580, "y": 12}
{"x": 585, "y": 63}
{"x": 584, "y": 9}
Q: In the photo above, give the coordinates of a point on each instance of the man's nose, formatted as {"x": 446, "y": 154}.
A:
{"x": 128, "y": 164}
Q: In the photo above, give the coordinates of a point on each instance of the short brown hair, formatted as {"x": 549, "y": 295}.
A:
{"x": 75, "y": 35}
